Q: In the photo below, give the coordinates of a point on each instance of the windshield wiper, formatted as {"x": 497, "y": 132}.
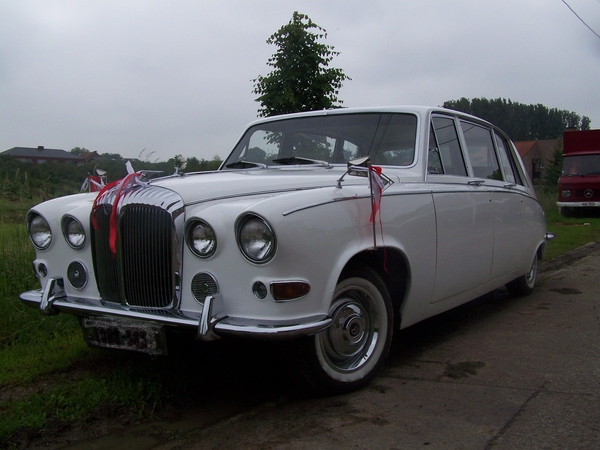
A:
{"x": 300, "y": 160}
{"x": 244, "y": 165}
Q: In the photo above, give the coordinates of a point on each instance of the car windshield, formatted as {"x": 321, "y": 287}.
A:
{"x": 389, "y": 139}
{"x": 581, "y": 165}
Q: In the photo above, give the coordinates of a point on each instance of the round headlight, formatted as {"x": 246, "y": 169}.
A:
{"x": 39, "y": 232}
{"x": 256, "y": 239}
{"x": 201, "y": 239}
{"x": 74, "y": 232}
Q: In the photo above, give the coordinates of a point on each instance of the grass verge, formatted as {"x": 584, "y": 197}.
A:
{"x": 570, "y": 232}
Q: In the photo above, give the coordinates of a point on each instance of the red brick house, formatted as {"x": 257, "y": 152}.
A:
{"x": 89, "y": 157}
{"x": 42, "y": 155}
{"x": 536, "y": 155}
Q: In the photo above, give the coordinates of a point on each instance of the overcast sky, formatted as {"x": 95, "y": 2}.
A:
{"x": 175, "y": 77}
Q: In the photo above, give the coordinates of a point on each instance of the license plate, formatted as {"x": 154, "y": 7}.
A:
{"x": 588, "y": 204}
{"x": 123, "y": 334}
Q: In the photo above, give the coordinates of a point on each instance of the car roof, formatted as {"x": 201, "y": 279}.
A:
{"x": 422, "y": 111}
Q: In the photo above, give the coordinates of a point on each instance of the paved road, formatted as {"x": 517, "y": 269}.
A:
{"x": 499, "y": 373}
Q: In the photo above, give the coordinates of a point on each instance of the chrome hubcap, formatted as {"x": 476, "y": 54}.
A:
{"x": 350, "y": 340}
{"x": 347, "y": 330}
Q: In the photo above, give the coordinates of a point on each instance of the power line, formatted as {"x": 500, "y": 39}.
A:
{"x": 582, "y": 21}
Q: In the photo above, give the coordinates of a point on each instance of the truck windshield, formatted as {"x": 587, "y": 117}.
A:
{"x": 581, "y": 165}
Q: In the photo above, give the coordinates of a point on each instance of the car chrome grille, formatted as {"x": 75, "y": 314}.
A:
{"x": 144, "y": 272}
{"x": 105, "y": 265}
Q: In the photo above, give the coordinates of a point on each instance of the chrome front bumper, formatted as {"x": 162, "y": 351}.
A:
{"x": 211, "y": 324}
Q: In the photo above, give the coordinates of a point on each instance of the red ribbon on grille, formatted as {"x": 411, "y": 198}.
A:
{"x": 130, "y": 180}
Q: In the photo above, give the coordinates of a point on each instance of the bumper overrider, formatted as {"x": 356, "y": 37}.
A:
{"x": 209, "y": 325}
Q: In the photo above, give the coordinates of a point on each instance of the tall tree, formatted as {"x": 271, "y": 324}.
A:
{"x": 553, "y": 170}
{"x": 521, "y": 122}
{"x": 301, "y": 79}
{"x": 79, "y": 150}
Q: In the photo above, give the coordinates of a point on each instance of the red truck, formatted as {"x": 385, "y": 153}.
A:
{"x": 579, "y": 183}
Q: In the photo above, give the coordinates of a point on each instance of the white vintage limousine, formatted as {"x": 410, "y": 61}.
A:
{"x": 329, "y": 228}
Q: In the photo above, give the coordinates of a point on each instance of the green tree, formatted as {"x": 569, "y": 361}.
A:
{"x": 585, "y": 123}
{"x": 79, "y": 151}
{"x": 521, "y": 122}
{"x": 301, "y": 79}
{"x": 113, "y": 156}
{"x": 554, "y": 169}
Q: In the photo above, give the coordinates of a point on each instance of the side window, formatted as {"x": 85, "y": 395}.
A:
{"x": 507, "y": 160}
{"x": 445, "y": 155}
{"x": 434, "y": 161}
{"x": 480, "y": 149}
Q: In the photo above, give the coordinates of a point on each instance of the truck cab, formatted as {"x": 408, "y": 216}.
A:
{"x": 579, "y": 183}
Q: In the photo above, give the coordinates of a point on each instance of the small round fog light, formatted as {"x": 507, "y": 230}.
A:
{"x": 259, "y": 289}
{"x": 77, "y": 275}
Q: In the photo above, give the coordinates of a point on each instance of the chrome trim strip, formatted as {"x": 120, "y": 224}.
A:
{"x": 250, "y": 194}
{"x": 326, "y": 202}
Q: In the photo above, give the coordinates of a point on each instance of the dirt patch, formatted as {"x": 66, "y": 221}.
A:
{"x": 464, "y": 369}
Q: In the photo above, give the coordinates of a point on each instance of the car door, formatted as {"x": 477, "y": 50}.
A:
{"x": 491, "y": 167}
{"x": 464, "y": 215}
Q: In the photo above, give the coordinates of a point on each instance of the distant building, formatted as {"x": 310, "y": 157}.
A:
{"x": 42, "y": 155}
{"x": 89, "y": 157}
{"x": 536, "y": 155}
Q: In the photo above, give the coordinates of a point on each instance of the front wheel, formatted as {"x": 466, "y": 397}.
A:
{"x": 525, "y": 284}
{"x": 348, "y": 354}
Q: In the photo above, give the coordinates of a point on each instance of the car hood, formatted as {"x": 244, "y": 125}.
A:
{"x": 206, "y": 186}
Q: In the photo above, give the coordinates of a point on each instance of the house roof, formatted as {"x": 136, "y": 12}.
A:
{"x": 88, "y": 155}
{"x": 40, "y": 153}
{"x": 544, "y": 147}
{"x": 523, "y": 147}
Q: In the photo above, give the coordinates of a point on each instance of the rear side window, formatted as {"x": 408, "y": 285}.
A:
{"x": 445, "y": 155}
{"x": 509, "y": 166}
{"x": 480, "y": 149}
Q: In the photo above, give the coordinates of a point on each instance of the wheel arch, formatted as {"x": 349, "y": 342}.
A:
{"x": 541, "y": 251}
{"x": 391, "y": 265}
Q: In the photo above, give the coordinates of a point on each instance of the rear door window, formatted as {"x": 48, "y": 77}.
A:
{"x": 480, "y": 148}
{"x": 511, "y": 172}
{"x": 445, "y": 155}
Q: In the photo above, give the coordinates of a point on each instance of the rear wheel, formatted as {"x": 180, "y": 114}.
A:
{"x": 348, "y": 354}
{"x": 525, "y": 284}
